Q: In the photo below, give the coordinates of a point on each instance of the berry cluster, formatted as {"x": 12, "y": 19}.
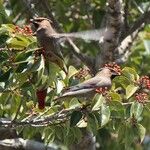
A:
{"x": 82, "y": 73}
{"x": 102, "y": 90}
{"x": 141, "y": 97}
{"x": 26, "y": 30}
{"x": 144, "y": 82}
{"x": 114, "y": 66}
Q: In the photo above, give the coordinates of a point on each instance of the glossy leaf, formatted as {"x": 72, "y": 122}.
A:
{"x": 142, "y": 132}
{"x": 105, "y": 114}
{"x": 4, "y": 77}
{"x": 122, "y": 80}
{"x": 98, "y": 101}
{"x": 130, "y": 90}
{"x": 136, "y": 110}
{"x": 115, "y": 96}
{"x": 130, "y": 73}
{"x": 117, "y": 109}
{"x": 92, "y": 123}
{"x": 75, "y": 118}
{"x": 71, "y": 71}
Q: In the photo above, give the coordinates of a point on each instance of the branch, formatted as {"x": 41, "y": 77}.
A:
{"x": 20, "y": 143}
{"x": 138, "y": 23}
{"x": 123, "y": 51}
{"x": 138, "y": 7}
{"x": 87, "y": 60}
{"x": 53, "y": 119}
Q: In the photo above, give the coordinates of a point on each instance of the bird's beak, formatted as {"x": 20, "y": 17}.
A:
{"x": 115, "y": 73}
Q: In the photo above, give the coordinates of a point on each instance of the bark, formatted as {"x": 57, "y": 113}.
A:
{"x": 114, "y": 22}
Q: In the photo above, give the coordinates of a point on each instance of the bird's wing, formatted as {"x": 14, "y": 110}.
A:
{"x": 57, "y": 50}
{"x": 91, "y": 83}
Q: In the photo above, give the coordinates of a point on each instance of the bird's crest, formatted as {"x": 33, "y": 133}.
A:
{"x": 39, "y": 19}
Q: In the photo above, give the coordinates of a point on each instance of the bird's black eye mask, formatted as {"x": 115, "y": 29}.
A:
{"x": 35, "y": 23}
{"x": 113, "y": 76}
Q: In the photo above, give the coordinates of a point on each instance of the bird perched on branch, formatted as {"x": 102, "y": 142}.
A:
{"x": 101, "y": 80}
{"x": 43, "y": 31}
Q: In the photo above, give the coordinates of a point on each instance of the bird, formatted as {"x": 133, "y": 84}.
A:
{"x": 43, "y": 31}
{"x": 101, "y": 80}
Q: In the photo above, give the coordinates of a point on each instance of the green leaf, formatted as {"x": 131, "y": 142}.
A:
{"x": 130, "y": 90}
{"x": 4, "y": 77}
{"x": 3, "y": 38}
{"x": 117, "y": 109}
{"x": 48, "y": 135}
{"x": 3, "y": 15}
{"x": 59, "y": 86}
{"x": 115, "y": 96}
{"x": 53, "y": 69}
{"x": 127, "y": 134}
{"x": 122, "y": 80}
{"x": 74, "y": 103}
{"x": 136, "y": 110}
{"x": 51, "y": 137}
{"x": 77, "y": 133}
{"x": 16, "y": 43}
{"x": 141, "y": 131}
{"x": 98, "y": 101}
{"x": 71, "y": 71}
{"x": 75, "y": 118}
{"x": 105, "y": 114}
{"x": 130, "y": 73}
{"x": 38, "y": 65}
{"x": 22, "y": 57}
{"x": 121, "y": 132}
{"x": 5, "y": 28}
{"x": 92, "y": 123}
{"x": 69, "y": 136}
{"x": 29, "y": 132}
{"x": 82, "y": 123}
{"x": 59, "y": 132}
{"x": 21, "y": 67}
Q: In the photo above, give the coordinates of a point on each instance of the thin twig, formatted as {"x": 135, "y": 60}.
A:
{"x": 138, "y": 7}
{"x": 138, "y": 23}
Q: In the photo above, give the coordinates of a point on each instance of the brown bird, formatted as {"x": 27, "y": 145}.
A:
{"x": 88, "y": 87}
{"x": 43, "y": 31}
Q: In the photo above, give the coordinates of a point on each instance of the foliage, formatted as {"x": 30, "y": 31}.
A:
{"x": 122, "y": 112}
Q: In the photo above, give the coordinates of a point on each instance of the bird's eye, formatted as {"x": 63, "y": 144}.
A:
{"x": 39, "y": 20}
{"x": 36, "y": 25}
